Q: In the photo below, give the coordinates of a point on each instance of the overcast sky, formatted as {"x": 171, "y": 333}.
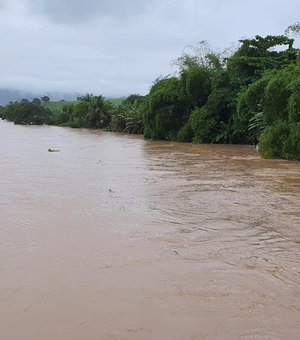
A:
{"x": 119, "y": 47}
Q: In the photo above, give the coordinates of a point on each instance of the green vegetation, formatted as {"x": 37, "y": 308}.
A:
{"x": 26, "y": 113}
{"x": 56, "y": 106}
{"x": 116, "y": 101}
{"x": 250, "y": 96}
{"x": 89, "y": 111}
{"x": 127, "y": 117}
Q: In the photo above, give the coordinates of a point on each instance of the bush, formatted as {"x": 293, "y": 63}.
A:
{"x": 186, "y": 133}
{"x": 198, "y": 85}
{"x": 281, "y": 141}
{"x": 164, "y": 113}
{"x": 249, "y": 107}
{"x": 27, "y": 113}
{"x": 291, "y": 148}
{"x": 127, "y": 119}
{"x": 64, "y": 116}
{"x": 203, "y": 126}
{"x": 294, "y": 101}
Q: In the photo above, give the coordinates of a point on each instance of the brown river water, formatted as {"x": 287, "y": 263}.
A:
{"x": 115, "y": 237}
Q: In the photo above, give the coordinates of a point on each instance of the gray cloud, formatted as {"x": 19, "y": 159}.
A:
{"x": 120, "y": 47}
{"x": 78, "y": 11}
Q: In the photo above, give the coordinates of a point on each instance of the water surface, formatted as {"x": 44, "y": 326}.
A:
{"x": 115, "y": 237}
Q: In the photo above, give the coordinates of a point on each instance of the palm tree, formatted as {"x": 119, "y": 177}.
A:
{"x": 100, "y": 112}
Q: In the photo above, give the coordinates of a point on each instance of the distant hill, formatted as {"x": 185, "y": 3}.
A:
{"x": 7, "y": 95}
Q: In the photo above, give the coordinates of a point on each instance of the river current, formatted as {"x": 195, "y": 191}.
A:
{"x": 116, "y": 237}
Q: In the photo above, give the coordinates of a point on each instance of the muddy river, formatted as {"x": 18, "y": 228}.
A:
{"x": 115, "y": 237}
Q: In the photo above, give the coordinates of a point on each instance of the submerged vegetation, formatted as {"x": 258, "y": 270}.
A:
{"x": 26, "y": 113}
{"x": 89, "y": 111}
{"x": 249, "y": 96}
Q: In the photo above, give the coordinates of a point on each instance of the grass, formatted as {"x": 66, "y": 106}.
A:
{"x": 116, "y": 101}
{"x": 57, "y": 106}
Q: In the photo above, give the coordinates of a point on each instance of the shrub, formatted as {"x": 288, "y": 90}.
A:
{"x": 273, "y": 139}
{"x": 203, "y": 126}
{"x": 26, "y": 113}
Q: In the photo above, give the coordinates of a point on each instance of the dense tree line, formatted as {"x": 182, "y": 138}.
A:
{"x": 90, "y": 112}
{"x": 26, "y": 113}
{"x": 249, "y": 96}
{"x": 97, "y": 113}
